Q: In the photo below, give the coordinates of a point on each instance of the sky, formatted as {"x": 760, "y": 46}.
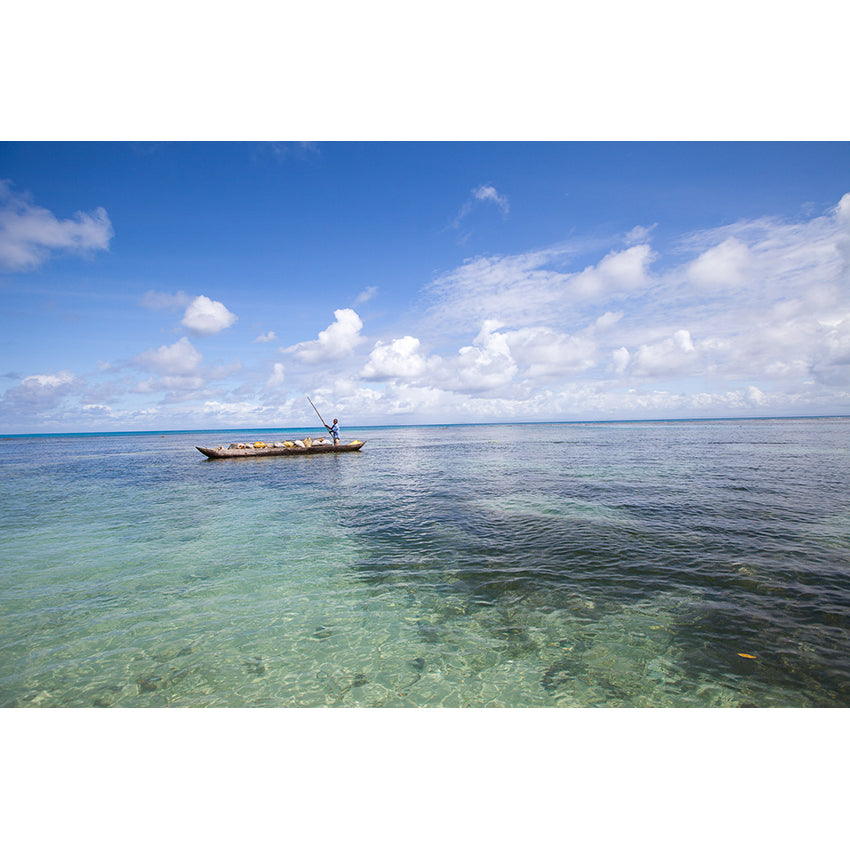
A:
{"x": 180, "y": 285}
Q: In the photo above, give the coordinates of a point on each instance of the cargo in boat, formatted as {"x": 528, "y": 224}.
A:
{"x": 261, "y": 448}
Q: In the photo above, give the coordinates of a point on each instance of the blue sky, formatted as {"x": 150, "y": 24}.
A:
{"x": 177, "y": 285}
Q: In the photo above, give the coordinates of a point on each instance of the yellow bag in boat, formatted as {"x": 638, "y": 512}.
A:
{"x": 259, "y": 444}
{"x": 308, "y": 442}
{"x": 288, "y": 443}
{"x": 354, "y": 443}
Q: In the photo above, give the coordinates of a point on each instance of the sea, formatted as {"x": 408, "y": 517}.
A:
{"x": 665, "y": 564}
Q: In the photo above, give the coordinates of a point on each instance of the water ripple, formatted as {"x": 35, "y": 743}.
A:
{"x": 640, "y": 564}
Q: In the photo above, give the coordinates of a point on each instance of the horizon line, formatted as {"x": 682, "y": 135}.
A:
{"x": 17, "y": 435}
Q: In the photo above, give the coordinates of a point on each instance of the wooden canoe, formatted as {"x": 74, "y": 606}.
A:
{"x": 270, "y": 450}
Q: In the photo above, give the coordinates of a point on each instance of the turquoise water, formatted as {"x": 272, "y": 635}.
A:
{"x": 626, "y": 564}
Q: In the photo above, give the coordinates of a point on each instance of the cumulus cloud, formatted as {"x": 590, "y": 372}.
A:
{"x": 204, "y": 316}
{"x": 266, "y": 337}
{"x": 723, "y": 266}
{"x": 177, "y": 385}
{"x": 485, "y": 365}
{"x": 400, "y": 358}
{"x": 337, "y": 341}
{"x": 618, "y": 272}
{"x": 543, "y": 351}
{"x": 277, "y": 376}
{"x": 752, "y": 317}
{"x": 608, "y": 320}
{"x": 43, "y": 391}
{"x": 180, "y": 358}
{"x": 621, "y": 358}
{"x": 99, "y": 411}
{"x": 672, "y": 356}
{"x": 770, "y": 259}
{"x": 29, "y": 234}
{"x": 757, "y": 301}
{"x": 524, "y": 288}
{"x": 756, "y": 397}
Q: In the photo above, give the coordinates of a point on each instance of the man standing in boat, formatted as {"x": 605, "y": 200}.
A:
{"x": 334, "y": 431}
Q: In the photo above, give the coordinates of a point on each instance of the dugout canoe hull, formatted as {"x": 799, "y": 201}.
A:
{"x": 221, "y": 452}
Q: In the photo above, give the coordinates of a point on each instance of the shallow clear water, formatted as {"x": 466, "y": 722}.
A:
{"x": 633, "y": 564}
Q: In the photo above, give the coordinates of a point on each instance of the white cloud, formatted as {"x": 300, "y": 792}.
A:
{"x": 483, "y": 366}
{"x": 842, "y": 217}
{"x": 524, "y": 289}
{"x": 768, "y": 260}
{"x": 621, "y": 359}
{"x": 519, "y": 289}
{"x": 97, "y": 410}
{"x": 180, "y": 358}
{"x": 266, "y": 337}
{"x": 30, "y": 234}
{"x": 49, "y": 382}
{"x": 760, "y": 302}
{"x": 489, "y": 193}
{"x": 43, "y": 391}
{"x": 607, "y": 321}
{"x": 205, "y": 316}
{"x": 542, "y": 351}
{"x": 673, "y": 356}
{"x": 756, "y": 397}
{"x": 178, "y": 385}
{"x": 337, "y": 341}
{"x": 619, "y": 271}
{"x": 750, "y": 318}
{"x": 400, "y": 358}
{"x": 277, "y": 376}
{"x": 485, "y": 194}
{"x": 366, "y": 295}
{"x": 723, "y": 266}
{"x": 639, "y": 234}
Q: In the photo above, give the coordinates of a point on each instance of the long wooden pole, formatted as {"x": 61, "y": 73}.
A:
{"x": 317, "y": 413}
